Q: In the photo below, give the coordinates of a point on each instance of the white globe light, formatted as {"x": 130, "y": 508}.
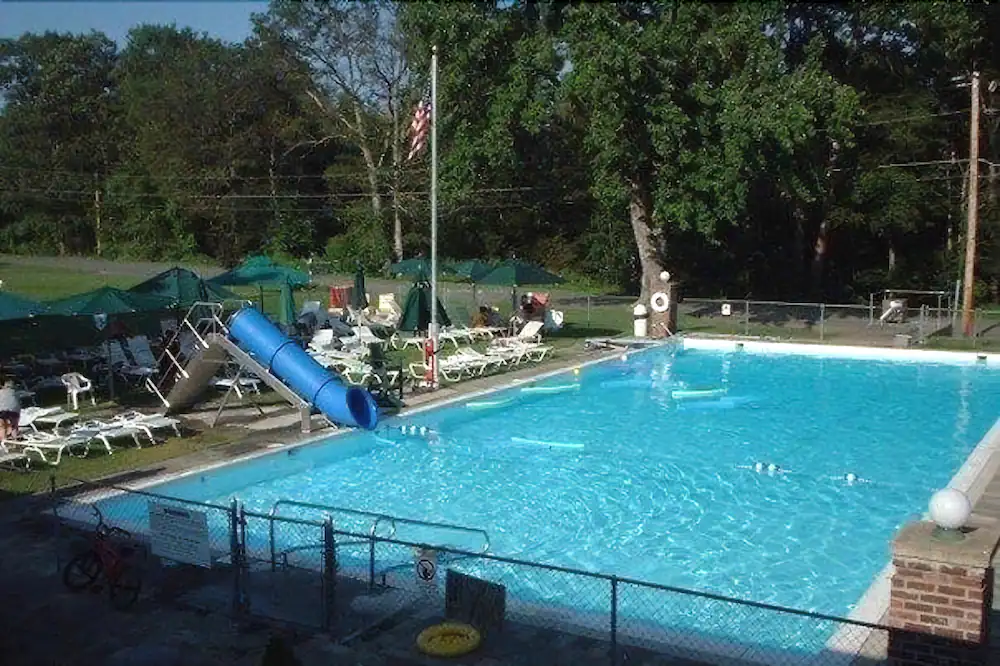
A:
{"x": 665, "y": 276}
{"x": 950, "y": 508}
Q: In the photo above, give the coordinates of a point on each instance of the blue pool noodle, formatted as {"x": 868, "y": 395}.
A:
{"x": 348, "y": 405}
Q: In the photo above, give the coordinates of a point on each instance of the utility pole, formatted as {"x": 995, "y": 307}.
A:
{"x": 97, "y": 213}
{"x": 971, "y": 230}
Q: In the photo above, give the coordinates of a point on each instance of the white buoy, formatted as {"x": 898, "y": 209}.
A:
{"x": 759, "y": 467}
{"x": 423, "y": 430}
{"x": 851, "y": 477}
{"x": 772, "y": 468}
{"x": 413, "y": 430}
{"x": 624, "y": 357}
{"x": 402, "y": 429}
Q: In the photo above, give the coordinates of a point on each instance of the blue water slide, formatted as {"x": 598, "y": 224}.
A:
{"x": 348, "y": 405}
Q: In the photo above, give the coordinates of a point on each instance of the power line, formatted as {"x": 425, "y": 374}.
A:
{"x": 328, "y": 195}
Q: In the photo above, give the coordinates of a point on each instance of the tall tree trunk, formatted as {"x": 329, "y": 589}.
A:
{"x": 646, "y": 239}
{"x": 799, "y": 275}
{"x": 819, "y": 259}
{"x": 273, "y": 188}
{"x": 892, "y": 258}
{"x": 370, "y": 166}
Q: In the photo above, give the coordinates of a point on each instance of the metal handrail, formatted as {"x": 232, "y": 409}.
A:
{"x": 379, "y": 518}
{"x": 273, "y": 513}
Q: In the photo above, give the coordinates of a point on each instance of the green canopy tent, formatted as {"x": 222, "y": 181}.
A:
{"x": 263, "y": 272}
{"x": 514, "y": 273}
{"x": 417, "y": 309}
{"x": 184, "y": 287}
{"x": 472, "y": 270}
{"x": 108, "y": 306}
{"x": 13, "y": 307}
{"x": 109, "y": 301}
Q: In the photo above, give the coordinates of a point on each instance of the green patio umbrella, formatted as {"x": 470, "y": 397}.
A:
{"x": 472, "y": 270}
{"x": 514, "y": 273}
{"x": 262, "y": 272}
{"x": 359, "y": 299}
{"x": 184, "y": 287}
{"x": 417, "y": 310}
{"x": 14, "y": 307}
{"x": 286, "y": 301}
{"x": 417, "y": 268}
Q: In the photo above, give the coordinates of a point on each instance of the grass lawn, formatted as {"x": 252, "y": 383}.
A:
{"x": 99, "y": 464}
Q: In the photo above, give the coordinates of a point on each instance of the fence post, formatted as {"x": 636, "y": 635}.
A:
{"x": 329, "y": 574}
{"x": 235, "y": 555}
{"x": 746, "y": 318}
{"x": 871, "y": 309}
{"x": 371, "y": 561}
{"x": 56, "y": 522}
{"x": 614, "y": 621}
{"x": 822, "y": 321}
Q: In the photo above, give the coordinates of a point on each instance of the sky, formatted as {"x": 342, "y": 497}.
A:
{"x": 229, "y": 21}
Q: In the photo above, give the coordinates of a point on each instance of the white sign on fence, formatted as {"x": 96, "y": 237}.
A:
{"x": 179, "y": 534}
{"x": 426, "y": 566}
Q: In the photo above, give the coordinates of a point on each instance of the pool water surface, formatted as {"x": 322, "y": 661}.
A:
{"x": 623, "y": 469}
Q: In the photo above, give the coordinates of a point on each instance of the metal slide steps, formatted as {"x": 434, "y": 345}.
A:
{"x": 214, "y": 350}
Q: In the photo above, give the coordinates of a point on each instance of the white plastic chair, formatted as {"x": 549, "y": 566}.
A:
{"x": 76, "y": 385}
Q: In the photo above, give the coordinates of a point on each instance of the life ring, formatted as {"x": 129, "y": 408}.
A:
{"x": 448, "y": 639}
{"x": 660, "y": 302}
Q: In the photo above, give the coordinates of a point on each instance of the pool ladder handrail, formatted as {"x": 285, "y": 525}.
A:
{"x": 379, "y": 518}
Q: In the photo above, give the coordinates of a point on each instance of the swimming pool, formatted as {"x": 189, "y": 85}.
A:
{"x": 614, "y": 471}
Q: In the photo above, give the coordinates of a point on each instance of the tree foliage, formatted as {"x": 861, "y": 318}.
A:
{"x": 774, "y": 149}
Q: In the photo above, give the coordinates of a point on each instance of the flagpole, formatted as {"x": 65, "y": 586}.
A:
{"x": 434, "y": 176}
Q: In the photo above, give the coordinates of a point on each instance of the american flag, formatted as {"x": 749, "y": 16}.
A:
{"x": 420, "y": 126}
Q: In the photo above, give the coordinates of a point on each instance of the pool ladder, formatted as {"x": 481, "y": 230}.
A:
{"x": 378, "y": 519}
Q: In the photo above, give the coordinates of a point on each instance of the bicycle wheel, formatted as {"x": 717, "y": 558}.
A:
{"x": 82, "y": 571}
{"x": 125, "y": 587}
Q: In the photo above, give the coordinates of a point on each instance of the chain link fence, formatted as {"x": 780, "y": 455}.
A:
{"x": 871, "y": 324}
{"x": 356, "y": 574}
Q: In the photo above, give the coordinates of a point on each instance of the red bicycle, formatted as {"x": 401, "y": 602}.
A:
{"x": 109, "y": 559}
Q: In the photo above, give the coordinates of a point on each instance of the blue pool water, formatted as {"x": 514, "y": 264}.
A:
{"x": 642, "y": 485}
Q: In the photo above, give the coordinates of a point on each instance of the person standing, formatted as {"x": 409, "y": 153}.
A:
{"x": 10, "y": 409}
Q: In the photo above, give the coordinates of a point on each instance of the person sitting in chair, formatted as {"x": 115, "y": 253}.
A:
{"x": 482, "y": 317}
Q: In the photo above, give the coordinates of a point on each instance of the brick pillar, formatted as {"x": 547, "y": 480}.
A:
{"x": 941, "y": 596}
{"x": 661, "y": 322}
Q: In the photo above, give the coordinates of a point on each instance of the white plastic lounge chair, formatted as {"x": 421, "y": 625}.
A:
{"x": 104, "y": 432}
{"x": 42, "y": 443}
{"x": 13, "y": 460}
{"x": 147, "y": 422}
{"x": 403, "y": 341}
{"x": 496, "y": 360}
{"x": 322, "y": 340}
{"x": 77, "y": 385}
{"x": 454, "y": 334}
{"x": 531, "y": 332}
{"x": 362, "y": 336}
{"x": 30, "y": 414}
{"x": 361, "y": 374}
